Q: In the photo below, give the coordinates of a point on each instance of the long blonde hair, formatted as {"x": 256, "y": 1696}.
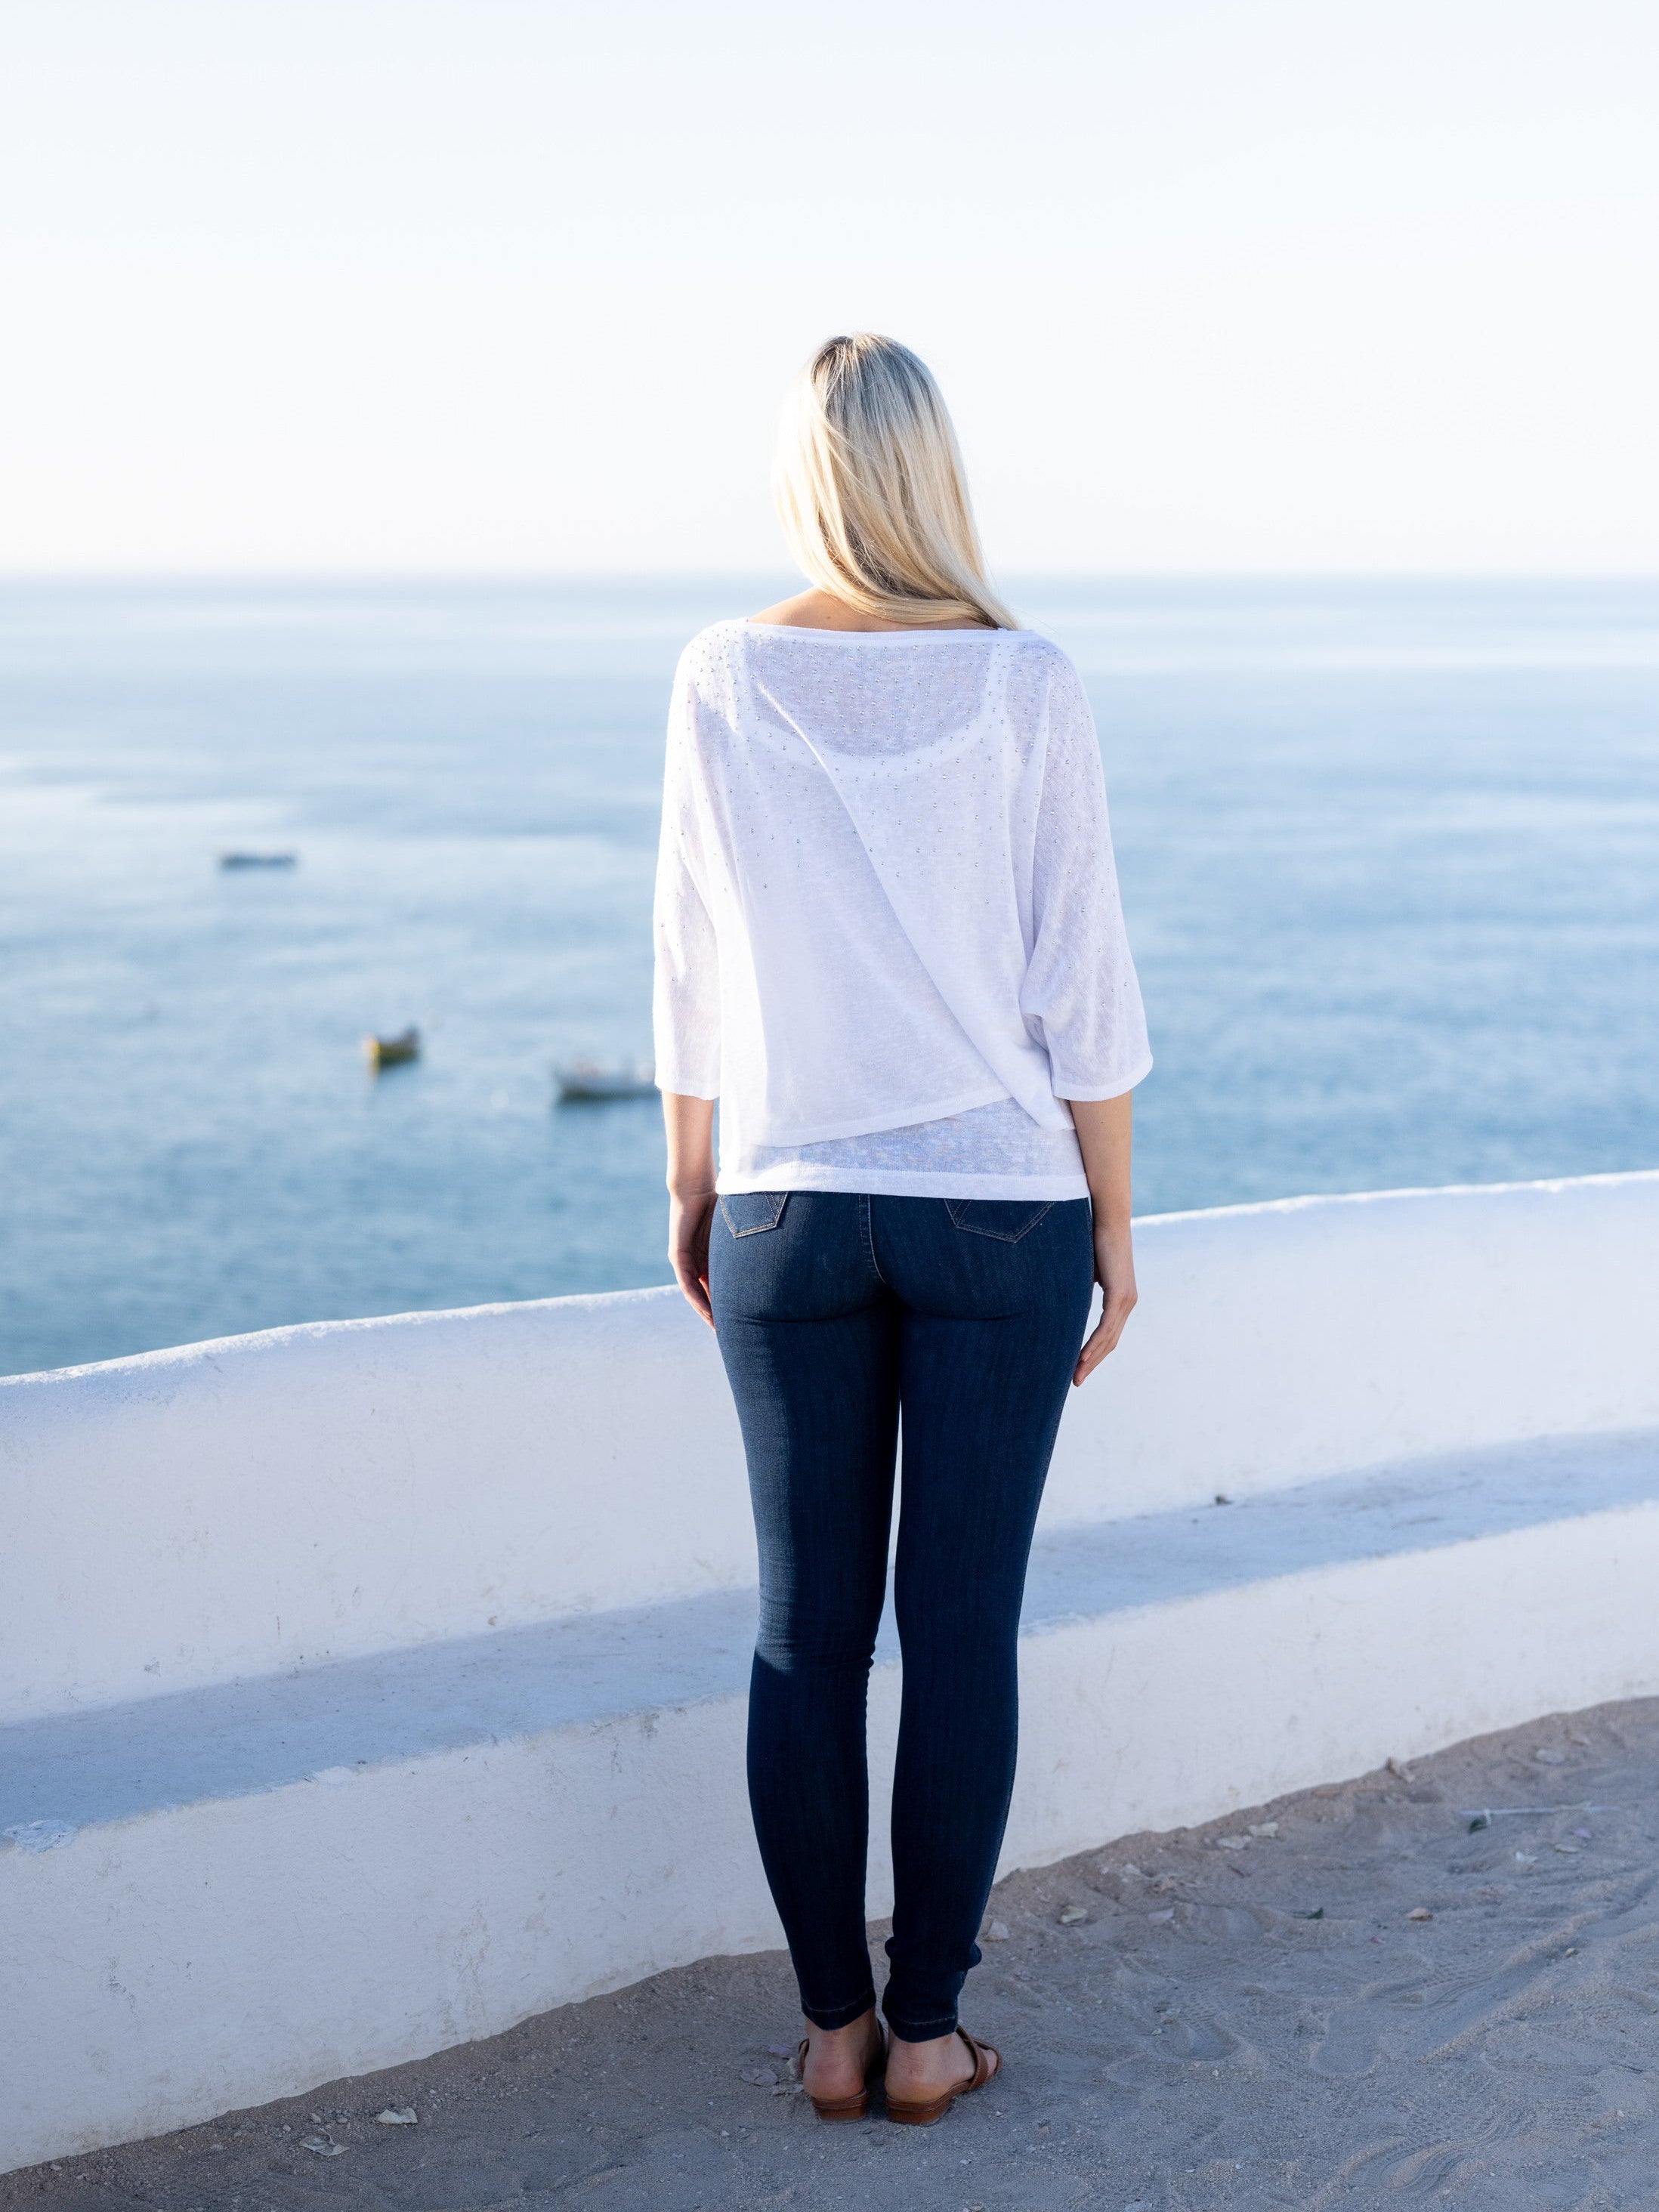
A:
{"x": 870, "y": 488}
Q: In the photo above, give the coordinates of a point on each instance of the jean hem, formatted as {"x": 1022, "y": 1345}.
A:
{"x": 924, "y": 2031}
{"x": 840, "y": 2015}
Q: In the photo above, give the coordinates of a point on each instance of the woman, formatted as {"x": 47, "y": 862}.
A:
{"x": 889, "y": 942}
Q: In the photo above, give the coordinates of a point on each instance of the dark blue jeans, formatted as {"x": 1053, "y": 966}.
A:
{"x": 836, "y": 1312}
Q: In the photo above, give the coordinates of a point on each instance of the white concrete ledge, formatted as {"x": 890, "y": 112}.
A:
{"x": 249, "y": 1888}
{"x": 230, "y": 1876}
{"x": 270, "y": 1502}
{"x": 241, "y": 1739}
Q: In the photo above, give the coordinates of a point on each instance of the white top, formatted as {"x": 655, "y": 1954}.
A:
{"x": 889, "y": 939}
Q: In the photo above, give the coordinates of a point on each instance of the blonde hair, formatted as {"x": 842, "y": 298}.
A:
{"x": 869, "y": 489}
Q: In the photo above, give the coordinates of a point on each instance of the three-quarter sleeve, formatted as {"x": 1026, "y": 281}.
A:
{"x": 1080, "y": 995}
{"x": 685, "y": 1000}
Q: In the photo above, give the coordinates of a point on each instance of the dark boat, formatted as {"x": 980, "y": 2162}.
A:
{"x": 584, "y": 1081}
{"x": 392, "y": 1052}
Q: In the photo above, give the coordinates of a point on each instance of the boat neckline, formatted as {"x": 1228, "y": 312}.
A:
{"x": 872, "y": 636}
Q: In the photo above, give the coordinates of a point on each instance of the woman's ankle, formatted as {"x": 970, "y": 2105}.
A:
{"x": 843, "y": 2050}
{"x": 868, "y": 2018}
{"x": 935, "y": 2059}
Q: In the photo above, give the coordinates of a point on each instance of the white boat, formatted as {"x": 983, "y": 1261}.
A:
{"x": 587, "y": 1082}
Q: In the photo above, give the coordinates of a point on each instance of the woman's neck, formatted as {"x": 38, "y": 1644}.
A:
{"x": 816, "y": 610}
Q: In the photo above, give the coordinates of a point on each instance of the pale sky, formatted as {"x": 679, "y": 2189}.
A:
{"x": 1211, "y": 285}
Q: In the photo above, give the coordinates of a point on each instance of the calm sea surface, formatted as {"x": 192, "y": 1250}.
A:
{"x": 1390, "y": 855}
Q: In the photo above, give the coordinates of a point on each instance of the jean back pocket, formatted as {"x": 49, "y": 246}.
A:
{"x": 1007, "y": 1219}
{"x": 747, "y": 1213}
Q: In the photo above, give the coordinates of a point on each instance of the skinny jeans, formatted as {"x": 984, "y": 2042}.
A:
{"x": 836, "y": 1313}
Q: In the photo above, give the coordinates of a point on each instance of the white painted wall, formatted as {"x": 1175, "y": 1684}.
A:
{"x": 217, "y": 1956}
{"x": 264, "y": 1503}
{"x": 247, "y": 1509}
{"x": 268, "y": 1502}
{"x": 1277, "y": 1343}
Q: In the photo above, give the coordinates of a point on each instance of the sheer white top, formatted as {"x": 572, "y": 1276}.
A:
{"x": 888, "y": 932}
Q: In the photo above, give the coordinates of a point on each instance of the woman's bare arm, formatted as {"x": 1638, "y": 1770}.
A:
{"x": 1103, "y": 1128}
{"x": 690, "y": 1125}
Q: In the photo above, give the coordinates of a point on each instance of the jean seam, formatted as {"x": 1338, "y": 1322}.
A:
{"x": 867, "y": 1235}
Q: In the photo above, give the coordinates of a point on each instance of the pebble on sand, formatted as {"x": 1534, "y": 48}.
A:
{"x": 997, "y": 1932}
{"x": 1419, "y": 1912}
{"x": 396, "y": 2115}
{"x": 322, "y": 2147}
{"x": 1071, "y": 1914}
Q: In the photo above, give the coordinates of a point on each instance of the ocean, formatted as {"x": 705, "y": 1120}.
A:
{"x": 1389, "y": 854}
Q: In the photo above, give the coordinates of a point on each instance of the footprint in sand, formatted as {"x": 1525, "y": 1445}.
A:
{"x": 1196, "y": 2039}
{"x": 1425, "y": 2173}
{"x": 1426, "y": 2020}
{"x": 1352, "y": 2040}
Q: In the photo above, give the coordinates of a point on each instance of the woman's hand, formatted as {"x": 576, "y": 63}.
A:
{"x": 1104, "y": 1129}
{"x": 1114, "y": 1271}
{"x": 689, "y": 1126}
{"x": 689, "y": 1215}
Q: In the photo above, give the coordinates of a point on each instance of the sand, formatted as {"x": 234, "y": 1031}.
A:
{"x": 1198, "y": 2040}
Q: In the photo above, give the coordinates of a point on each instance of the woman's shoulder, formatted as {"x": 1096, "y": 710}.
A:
{"x": 715, "y": 637}
{"x": 1039, "y": 647}
{"x": 760, "y": 630}
{"x": 1044, "y": 666}
{"x": 721, "y": 654}
{"x": 706, "y": 660}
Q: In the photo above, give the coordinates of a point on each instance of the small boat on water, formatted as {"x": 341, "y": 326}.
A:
{"x": 393, "y": 1051}
{"x": 258, "y": 859}
{"x": 585, "y": 1083}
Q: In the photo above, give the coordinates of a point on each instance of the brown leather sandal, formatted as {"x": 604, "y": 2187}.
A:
{"x": 923, "y": 2111}
{"x": 857, "y": 2107}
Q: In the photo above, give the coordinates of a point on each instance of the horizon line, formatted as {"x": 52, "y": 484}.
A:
{"x": 321, "y": 573}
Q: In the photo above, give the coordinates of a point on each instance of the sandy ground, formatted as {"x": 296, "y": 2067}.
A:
{"x": 1227, "y": 2028}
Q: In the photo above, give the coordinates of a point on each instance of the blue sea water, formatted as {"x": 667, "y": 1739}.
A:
{"x": 1390, "y": 857}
